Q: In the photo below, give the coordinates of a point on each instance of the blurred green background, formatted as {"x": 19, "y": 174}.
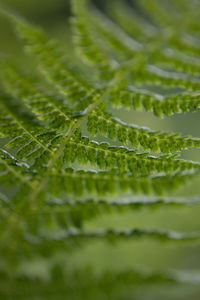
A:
{"x": 53, "y": 16}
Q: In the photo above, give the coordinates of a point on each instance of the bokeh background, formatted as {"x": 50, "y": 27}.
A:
{"x": 53, "y": 16}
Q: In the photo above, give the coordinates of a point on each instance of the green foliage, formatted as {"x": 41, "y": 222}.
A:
{"x": 109, "y": 284}
{"x": 54, "y": 176}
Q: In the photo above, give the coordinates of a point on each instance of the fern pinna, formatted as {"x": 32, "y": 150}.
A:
{"x": 66, "y": 158}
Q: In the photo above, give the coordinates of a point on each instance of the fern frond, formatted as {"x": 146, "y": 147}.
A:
{"x": 169, "y": 57}
{"x": 154, "y": 75}
{"x": 13, "y": 172}
{"x": 147, "y": 74}
{"x": 134, "y": 24}
{"x": 115, "y": 284}
{"x": 24, "y": 130}
{"x": 87, "y": 45}
{"x": 113, "y": 235}
{"x": 110, "y": 182}
{"x": 156, "y": 141}
{"x": 54, "y": 177}
{"x": 51, "y": 60}
{"x": 75, "y": 214}
{"x": 134, "y": 98}
{"x": 103, "y": 29}
{"x": 109, "y": 157}
{"x": 176, "y": 60}
{"x": 159, "y": 12}
{"x": 70, "y": 214}
{"x": 46, "y": 107}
